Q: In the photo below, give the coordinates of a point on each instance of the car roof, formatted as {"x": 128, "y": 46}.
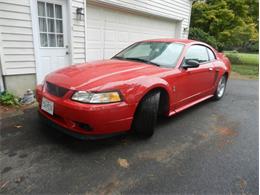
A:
{"x": 183, "y": 41}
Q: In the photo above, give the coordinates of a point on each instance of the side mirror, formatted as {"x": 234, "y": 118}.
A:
{"x": 190, "y": 64}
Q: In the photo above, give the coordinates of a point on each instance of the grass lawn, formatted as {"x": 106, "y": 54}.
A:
{"x": 244, "y": 63}
{"x": 247, "y": 70}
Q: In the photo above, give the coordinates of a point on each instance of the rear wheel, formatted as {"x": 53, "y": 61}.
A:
{"x": 219, "y": 93}
{"x": 146, "y": 115}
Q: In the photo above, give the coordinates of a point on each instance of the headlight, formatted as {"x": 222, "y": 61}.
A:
{"x": 96, "y": 98}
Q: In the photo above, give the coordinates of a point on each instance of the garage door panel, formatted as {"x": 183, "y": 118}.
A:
{"x": 95, "y": 54}
{"x": 113, "y": 45}
{"x": 110, "y": 30}
{"x": 91, "y": 23}
{"x": 110, "y": 53}
{"x": 110, "y": 16}
{"x": 94, "y": 34}
{"x": 110, "y": 35}
{"x": 133, "y": 37}
{"x": 123, "y": 36}
{"x": 93, "y": 12}
{"x": 95, "y": 45}
{"x": 123, "y": 18}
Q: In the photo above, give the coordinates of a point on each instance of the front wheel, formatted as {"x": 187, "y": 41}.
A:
{"x": 146, "y": 115}
{"x": 219, "y": 93}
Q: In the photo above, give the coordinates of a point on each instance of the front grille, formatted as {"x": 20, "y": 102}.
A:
{"x": 56, "y": 90}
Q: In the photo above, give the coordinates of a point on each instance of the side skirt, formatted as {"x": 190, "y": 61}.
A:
{"x": 189, "y": 105}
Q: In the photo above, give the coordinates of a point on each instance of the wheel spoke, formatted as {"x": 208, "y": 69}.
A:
{"x": 221, "y": 87}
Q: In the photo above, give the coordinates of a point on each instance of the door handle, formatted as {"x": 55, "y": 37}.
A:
{"x": 67, "y": 53}
{"x": 210, "y": 69}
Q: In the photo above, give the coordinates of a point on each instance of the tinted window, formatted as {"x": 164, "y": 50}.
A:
{"x": 169, "y": 56}
{"x": 141, "y": 50}
{"x": 197, "y": 52}
{"x": 164, "y": 54}
{"x": 211, "y": 55}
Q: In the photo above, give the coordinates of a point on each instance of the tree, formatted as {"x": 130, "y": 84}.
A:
{"x": 197, "y": 33}
{"x": 254, "y": 11}
{"x": 233, "y": 23}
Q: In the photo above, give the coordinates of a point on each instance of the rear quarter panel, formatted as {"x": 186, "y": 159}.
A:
{"x": 226, "y": 61}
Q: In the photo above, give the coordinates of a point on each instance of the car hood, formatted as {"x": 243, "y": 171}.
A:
{"x": 99, "y": 73}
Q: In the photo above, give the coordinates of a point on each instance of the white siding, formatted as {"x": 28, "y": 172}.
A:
{"x": 17, "y": 40}
{"x": 179, "y": 10}
{"x": 78, "y": 33}
{"x": 1, "y": 57}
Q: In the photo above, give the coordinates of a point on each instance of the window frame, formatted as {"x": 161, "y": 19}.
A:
{"x": 54, "y": 18}
{"x": 215, "y": 57}
{"x": 201, "y": 63}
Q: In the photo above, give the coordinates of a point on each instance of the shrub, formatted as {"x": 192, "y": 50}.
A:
{"x": 8, "y": 99}
{"x": 251, "y": 46}
{"x": 234, "y": 58}
{"x": 243, "y": 58}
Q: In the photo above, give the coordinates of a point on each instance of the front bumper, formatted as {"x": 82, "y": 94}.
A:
{"x": 75, "y": 134}
{"x": 102, "y": 119}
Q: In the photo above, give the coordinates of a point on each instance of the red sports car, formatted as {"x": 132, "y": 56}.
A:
{"x": 129, "y": 91}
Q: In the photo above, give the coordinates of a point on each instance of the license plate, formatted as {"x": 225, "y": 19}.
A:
{"x": 47, "y": 105}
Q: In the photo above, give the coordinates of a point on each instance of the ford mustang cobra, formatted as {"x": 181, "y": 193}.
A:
{"x": 130, "y": 90}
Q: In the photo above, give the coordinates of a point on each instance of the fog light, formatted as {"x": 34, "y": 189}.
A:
{"x": 84, "y": 126}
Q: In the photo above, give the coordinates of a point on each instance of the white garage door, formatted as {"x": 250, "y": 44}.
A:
{"x": 110, "y": 30}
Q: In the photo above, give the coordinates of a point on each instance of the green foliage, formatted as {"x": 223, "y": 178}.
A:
{"x": 200, "y": 35}
{"x": 8, "y": 99}
{"x": 246, "y": 64}
{"x": 234, "y": 59}
{"x": 243, "y": 58}
{"x": 254, "y": 11}
{"x": 251, "y": 46}
{"x": 233, "y": 23}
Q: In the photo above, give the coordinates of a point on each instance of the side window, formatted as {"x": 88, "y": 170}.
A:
{"x": 211, "y": 55}
{"x": 197, "y": 52}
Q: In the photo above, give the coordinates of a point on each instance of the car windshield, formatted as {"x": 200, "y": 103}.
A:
{"x": 164, "y": 54}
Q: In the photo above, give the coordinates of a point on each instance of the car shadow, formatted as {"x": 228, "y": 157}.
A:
{"x": 86, "y": 146}
{"x": 34, "y": 133}
{"x": 162, "y": 121}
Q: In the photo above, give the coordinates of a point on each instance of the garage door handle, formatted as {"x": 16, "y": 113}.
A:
{"x": 210, "y": 69}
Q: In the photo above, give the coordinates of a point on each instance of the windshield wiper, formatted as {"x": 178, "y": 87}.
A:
{"x": 136, "y": 59}
{"x": 118, "y": 57}
{"x": 142, "y": 60}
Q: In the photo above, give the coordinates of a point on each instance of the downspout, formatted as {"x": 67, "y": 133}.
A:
{"x": 2, "y": 82}
{"x": 86, "y": 28}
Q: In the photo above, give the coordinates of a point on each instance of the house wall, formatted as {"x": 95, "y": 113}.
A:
{"x": 179, "y": 10}
{"x": 1, "y": 77}
{"x": 17, "y": 51}
{"x": 17, "y": 38}
{"x": 78, "y": 33}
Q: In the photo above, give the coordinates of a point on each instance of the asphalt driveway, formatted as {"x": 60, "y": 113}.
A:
{"x": 210, "y": 148}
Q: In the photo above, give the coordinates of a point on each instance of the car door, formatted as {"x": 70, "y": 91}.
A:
{"x": 194, "y": 83}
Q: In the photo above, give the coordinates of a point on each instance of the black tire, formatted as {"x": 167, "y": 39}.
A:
{"x": 217, "y": 94}
{"x": 146, "y": 115}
